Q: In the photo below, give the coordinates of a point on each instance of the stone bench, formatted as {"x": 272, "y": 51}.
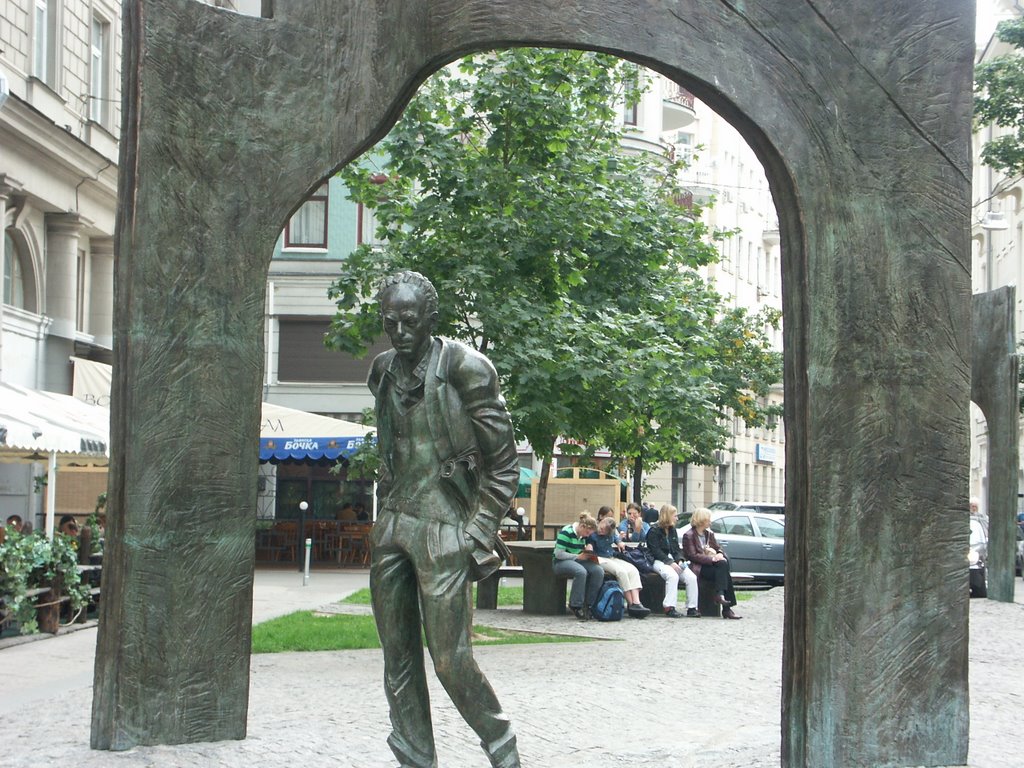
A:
{"x": 487, "y": 589}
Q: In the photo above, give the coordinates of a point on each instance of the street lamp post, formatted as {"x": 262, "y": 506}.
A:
{"x": 303, "y": 506}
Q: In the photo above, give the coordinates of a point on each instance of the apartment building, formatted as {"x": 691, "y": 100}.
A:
{"x": 997, "y": 238}
{"x": 59, "y": 124}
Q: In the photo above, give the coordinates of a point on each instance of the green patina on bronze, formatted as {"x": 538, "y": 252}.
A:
{"x": 859, "y": 113}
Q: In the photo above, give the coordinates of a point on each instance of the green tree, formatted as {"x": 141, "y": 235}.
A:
{"x": 999, "y": 99}
{"x": 558, "y": 254}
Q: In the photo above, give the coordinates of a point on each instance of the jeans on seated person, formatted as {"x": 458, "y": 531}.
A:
{"x": 668, "y": 573}
{"x": 586, "y": 576}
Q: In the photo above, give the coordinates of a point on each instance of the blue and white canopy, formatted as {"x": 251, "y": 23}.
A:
{"x": 290, "y": 435}
{"x": 286, "y": 434}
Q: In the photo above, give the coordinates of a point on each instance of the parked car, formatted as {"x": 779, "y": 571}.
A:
{"x": 977, "y": 556}
{"x": 767, "y": 507}
{"x": 755, "y": 543}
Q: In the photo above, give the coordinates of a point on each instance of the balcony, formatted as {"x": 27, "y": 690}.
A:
{"x": 677, "y": 110}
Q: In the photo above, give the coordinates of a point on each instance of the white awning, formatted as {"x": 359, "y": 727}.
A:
{"x": 34, "y": 424}
{"x": 37, "y": 426}
{"x": 286, "y": 434}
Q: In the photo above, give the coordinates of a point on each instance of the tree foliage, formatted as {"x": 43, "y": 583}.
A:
{"x": 563, "y": 257}
{"x": 999, "y": 99}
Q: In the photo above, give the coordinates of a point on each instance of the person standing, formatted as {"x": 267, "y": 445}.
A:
{"x": 449, "y": 470}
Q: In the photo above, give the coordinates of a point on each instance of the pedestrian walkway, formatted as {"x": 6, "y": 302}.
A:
{"x": 328, "y": 709}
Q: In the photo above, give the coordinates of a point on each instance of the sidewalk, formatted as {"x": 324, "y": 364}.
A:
{"x": 328, "y": 709}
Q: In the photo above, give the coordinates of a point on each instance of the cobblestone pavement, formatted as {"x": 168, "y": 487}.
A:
{"x": 328, "y": 709}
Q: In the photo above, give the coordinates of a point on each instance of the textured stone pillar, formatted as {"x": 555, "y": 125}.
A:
{"x": 994, "y": 388}
{"x": 62, "y": 233}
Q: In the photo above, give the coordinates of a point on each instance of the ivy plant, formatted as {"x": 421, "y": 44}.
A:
{"x": 31, "y": 562}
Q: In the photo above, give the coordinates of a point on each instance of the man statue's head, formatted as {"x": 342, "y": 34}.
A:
{"x": 408, "y": 308}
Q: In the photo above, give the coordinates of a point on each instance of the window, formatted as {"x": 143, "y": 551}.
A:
{"x": 771, "y": 529}
{"x": 308, "y": 227}
{"x": 14, "y": 279}
{"x": 99, "y": 71}
{"x": 81, "y": 292}
{"x": 734, "y": 525}
{"x": 631, "y": 96}
{"x": 367, "y": 227}
{"x": 302, "y": 355}
{"x": 44, "y": 41}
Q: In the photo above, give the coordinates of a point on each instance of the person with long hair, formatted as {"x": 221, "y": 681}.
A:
{"x": 606, "y": 542}
{"x": 709, "y": 561}
{"x": 663, "y": 544}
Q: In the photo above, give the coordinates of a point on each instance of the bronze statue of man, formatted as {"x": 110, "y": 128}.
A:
{"x": 449, "y": 471}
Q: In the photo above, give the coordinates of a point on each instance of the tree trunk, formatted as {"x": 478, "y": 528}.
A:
{"x": 638, "y": 478}
{"x": 542, "y": 493}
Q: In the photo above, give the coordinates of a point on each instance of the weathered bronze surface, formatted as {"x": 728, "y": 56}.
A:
{"x": 859, "y": 113}
{"x": 449, "y": 470}
{"x": 994, "y": 388}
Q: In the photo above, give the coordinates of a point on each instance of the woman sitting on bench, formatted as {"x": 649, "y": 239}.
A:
{"x": 669, "y": 563}
{"x": 708, "y": 561}
{"x": 605, "y": 541}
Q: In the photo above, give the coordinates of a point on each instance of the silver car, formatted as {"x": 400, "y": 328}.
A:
{"x": 754, "y": 543}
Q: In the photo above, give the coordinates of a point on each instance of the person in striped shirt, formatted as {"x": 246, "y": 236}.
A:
{"x": 574, "y": 559}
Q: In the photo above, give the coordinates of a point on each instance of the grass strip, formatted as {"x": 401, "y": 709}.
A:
{"x": 507, "y": 596}
{"x": 309, "y": 631}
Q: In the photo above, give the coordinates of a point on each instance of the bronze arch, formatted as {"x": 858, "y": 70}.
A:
{"x": 863, "y": 128}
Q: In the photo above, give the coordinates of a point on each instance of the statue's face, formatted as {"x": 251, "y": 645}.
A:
{"x": 406, "y": 321}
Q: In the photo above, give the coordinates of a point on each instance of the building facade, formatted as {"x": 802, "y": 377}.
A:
{"x": 59, "y": 125}
{"x": 997, "y": 238}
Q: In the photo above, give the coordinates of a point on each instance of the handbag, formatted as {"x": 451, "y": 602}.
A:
{"x": 638, "y": 557}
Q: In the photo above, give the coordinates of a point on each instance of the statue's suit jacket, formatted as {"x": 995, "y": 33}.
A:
{"x": 471, "y": 429}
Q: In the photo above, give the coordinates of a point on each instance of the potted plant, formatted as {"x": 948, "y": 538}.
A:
{"x": 30, "y": 564}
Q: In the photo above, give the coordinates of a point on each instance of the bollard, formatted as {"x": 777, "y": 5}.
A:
{"x": 305, "y": 573}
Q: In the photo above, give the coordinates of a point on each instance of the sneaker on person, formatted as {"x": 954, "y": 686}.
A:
{"x": 672, "y": 613}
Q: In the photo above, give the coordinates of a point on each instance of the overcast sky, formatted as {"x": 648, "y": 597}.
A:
{"x": 986, "y": 23}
